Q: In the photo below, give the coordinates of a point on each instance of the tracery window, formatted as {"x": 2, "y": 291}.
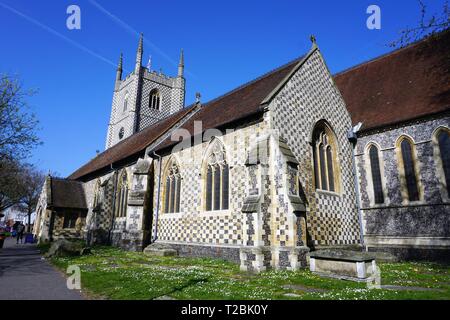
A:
{"x": 325, "y": 158}
{"x": 172, "y": 189}
{"x": 378, "y": 194}
{"x": 122, "y": 196}
{"x": 154, "y": 99}
{"x": 217, "y": 179}
{"x": 125, "y": 103}
{"x": 408, "y": 169}
{"x": 443, "y": 143}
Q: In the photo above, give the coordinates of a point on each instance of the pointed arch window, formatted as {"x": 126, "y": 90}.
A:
{"x": 125, "y": 102}
{"x": 122, "y": 196}
{"x": 325, "y": 158}
{"x": 443, "y": 144}
{"x": 96, "y": 202}
{"x": 409, "y": 169}
{"x": 217, "y": 179}
{"x": 377, "y": 184}
{"x": 154, "y": 99}
{"x": 172, "y": 192}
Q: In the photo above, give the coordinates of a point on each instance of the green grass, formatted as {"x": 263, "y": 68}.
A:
{"x": 112, "y": 273}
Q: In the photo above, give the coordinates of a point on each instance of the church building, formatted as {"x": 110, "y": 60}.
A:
{"x": 294, "y": 161}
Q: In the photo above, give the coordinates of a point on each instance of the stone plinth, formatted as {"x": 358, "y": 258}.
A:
{"x": 350, "y": 265}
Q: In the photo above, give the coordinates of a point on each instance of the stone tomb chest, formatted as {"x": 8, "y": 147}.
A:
{"x": 343, "y": 264}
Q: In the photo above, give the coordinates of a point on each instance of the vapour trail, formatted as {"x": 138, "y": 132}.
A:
{"x": 57, "y": 34}
{"x": 135, "y": 33}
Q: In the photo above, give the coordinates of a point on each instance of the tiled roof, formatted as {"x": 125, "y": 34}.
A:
{"x": 131, "y": 145}
{"x": 406, "y": 84}
{"x": 237, "y": 104}
{"x": 67, "y": 194}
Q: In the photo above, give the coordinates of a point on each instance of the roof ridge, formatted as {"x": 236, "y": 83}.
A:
{"x": 390, "y": 53}
{"x": 261, "y": 77}
{"x": 62, "y": 179}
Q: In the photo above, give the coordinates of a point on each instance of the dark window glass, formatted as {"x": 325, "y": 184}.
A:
{"x": 154, "y": 100}
{"x": 444, "y": 148}
{"x": 178, "y": 195}
{"x": 323, "y": 170}
{"x": 125, "y": 202}
{"x": 167, "y": 196}
{"x": 125, "y": 105}
{"x": 330, "y": 169}
{"x": 225, "y": 173}
{"x": 70, "y": 220}
{"x": 316, "y": 168}
{"x": 376, "y": 175}
{"x": 172, "y": 195}
{"x": 410, "y": 172}
{"x": 216, "y": 187}
{"x": 209, "y": 189}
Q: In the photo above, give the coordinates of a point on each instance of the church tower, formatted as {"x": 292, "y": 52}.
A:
{"x": 143, "y": 97}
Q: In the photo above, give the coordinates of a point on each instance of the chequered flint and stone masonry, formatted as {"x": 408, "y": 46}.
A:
{"x": 275, "y": 213}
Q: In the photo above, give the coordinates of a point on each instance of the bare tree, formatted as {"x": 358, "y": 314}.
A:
{"x": 18, "y": 128}
{"x": 429, "y": 24}
{"x": 11, "y": 183}
{"x": 32, "y": 181}
{"x": 17, "y": 124}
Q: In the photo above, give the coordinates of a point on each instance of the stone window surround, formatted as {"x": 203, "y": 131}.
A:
{"x": 155, "y": 92}
{"x": 214, "y": 140}
{"x": 172, "y": 162}
{"x": 126, "y": 101}
{"x": 401, "y": 171}
{"x": 368, "y": 171}
{"x": 439, "y": 165}
{"x": 118, "y": 191}
{"x": 336, "y": 163}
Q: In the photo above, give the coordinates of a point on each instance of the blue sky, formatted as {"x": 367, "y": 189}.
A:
{"x": 226, "y": 43}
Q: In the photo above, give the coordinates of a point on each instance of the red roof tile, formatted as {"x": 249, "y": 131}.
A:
{"x": 237, "y": 104}
{"x": 130, "y": 146}
{"x": 409, "y": 83}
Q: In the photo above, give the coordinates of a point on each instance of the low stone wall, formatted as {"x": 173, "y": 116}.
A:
{"x": 441, "y": 255}
{"x": 229, "y": 253}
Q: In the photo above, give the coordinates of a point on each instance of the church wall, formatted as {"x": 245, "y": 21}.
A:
{"x": 193, "y": 225}
{"x": 398, "y": 224}
{"x": 309, "y": 96}
{"x": 42, "y": 222}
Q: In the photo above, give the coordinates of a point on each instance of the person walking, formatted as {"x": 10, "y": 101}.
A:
{"x": 2, "y": 236}
{"x": 20, "y": 231}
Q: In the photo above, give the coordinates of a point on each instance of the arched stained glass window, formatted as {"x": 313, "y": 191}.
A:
{"x": 172, "y": 191}
{"x": 409, "y": 169}
{"x": 376, "y": 175}
{"x": 325, "y": 158}
{"x": 122, "y": 196}
{"x": 443, "y": 139}
{"x": 217, "y": 179}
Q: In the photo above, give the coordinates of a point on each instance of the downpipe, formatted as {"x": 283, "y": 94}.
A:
{"x": 155, "y": 236}
{"x": 352, "y": 137}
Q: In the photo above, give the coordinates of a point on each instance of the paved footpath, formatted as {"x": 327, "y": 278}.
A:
{"x": 25, "y": 275}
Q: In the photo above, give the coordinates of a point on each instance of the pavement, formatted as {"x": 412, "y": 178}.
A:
{"x": 26, "y": 275}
